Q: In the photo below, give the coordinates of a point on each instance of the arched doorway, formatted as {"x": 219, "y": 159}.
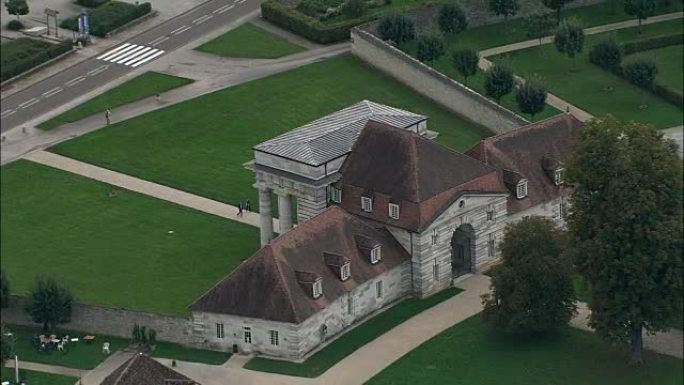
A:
{"x": 462, "y": 250}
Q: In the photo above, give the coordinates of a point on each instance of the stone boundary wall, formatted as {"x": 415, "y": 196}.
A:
{"x": 433, "y": 84}
{"x": 111, "y": 321}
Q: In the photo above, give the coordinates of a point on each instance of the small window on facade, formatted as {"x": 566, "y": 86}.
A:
{"x": 558, "y": 176}
{"x": 435, "y": 269}
{"x": 345, "y": 271}
{"x": 490, "y": 212}
{"x": 461, "y": 204}
{"x": 491, "y": 246}
{"x": 274, "y": 338}
{"x": 366, "y": 204}
{"x": 318, "y": 288}
{"x": 378, "y": 289}
{"x": 335, "y": 194}
{"x": 376, "y": 254}
{"x": 248, "y": 334}
{"x": 219, "y": 331}
{"x": 435, "y": 237}
{"x": 394, "y": 211}
{"x": 350, "y": 304}
{"x": 521, "y": 190}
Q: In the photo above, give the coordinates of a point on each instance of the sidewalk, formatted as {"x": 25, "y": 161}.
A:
{"x": 106, "y": 367}
{"x": 148, "y": 188}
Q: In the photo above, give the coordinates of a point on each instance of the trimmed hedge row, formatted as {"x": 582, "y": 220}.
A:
{"x": 109, "y": 17}
{"x": 652, "y": 43}
{"x": 91, "y": 3}
{"x": 307, "y": 26}
{"x": 24, "y": 53}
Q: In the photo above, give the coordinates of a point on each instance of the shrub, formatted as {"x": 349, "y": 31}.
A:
{"x": 606, "y": 54}
{"x": 353, "y": 8}
{"x": 569, "y": 38}
{"x": 531, "y": 98}
{"x": 465, "y": 62}
{"x": 451, "y": 18}
{"x": 316, "y": 8}
{"x": 110, "y": 16}
{"x": 24, "y": 53}
{"x": 498, "y": 81}
{"x": 4, "y": 290}
{"x": 15, "y": 25}
{"x": 135, "y": 333}
{"x": 49, "y": 303}
{"x": 91, "y": 3}
{"x": 641, "y": 72}
{"x": 152, "y": 337}
{"x": 396, "y": 28}
{"x": 669, "y": 94}
{"x": 430, "y": 48}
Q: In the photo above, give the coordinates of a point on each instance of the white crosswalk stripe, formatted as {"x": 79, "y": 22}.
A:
{"x": 131, "y": 55}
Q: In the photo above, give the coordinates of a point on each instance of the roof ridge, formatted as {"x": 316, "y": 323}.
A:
{"x": 124, "y": 370}
{"x": 530, "y": 126}
{"x": 286, "y": 288}
{"x": 416, "y": 174}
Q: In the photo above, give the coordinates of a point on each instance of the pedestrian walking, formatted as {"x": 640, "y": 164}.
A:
{"x": 158, "y": 97}
{"x": 239, "y": 214}
{"x": 108, "y": 116}
{"x": 248, "y": 206}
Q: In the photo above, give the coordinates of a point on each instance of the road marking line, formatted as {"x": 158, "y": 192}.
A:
{"x": 75, "y": 81}
{"x": 132, "y": 55}
{"x": 204, "y": 19}
{"x": 98, "y": 70}
{"x": 161, "y": 41}
{"x": 241, "y": 1}
{"x": 218, "y": 10}
{"x": 53, "y": 91}
{"x": 227, "y": 9}
{"x": 7, "y": 113}
{"x": 29, "y": 103}
{"x": 201, "y": 19}
{"x": 113, "y": 51}
{"x": 176, "y": 30}
{"x": 147, "y": 59}
{"x": 153, "y": 42}
{"x": 140, "y": 57}
{"x": 181, "y": 31}
{"x": 118, "y": 54}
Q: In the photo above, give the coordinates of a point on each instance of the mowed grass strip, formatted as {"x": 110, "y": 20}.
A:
{"x": 31, "y": 377}
{"x": 182, "y": 353}
{"x": 112, "y": 247}
{"x": 250, "y": 41}
{"x": 469, "y": 353}
{"x": 349, "y": 342}
{"x": 594, "y": 90}
{"x": 138, "y": 88}
{"x": 200, "y": 145}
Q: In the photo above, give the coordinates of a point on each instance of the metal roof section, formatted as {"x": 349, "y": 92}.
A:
{"x": 334, "y": 135}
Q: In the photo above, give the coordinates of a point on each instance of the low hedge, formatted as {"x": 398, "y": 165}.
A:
{"x": 109, "y": 17}
{"x": 669, "y": 94}
{"x": 652, "y": 43}
{"x": 91, "y": 3}
{"x": 24, "y": 53}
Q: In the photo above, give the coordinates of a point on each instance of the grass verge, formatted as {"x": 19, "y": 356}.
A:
{"x": 31, "y": 377}
{"x": 181, "y": 353}
{"x": 250, "y": 41}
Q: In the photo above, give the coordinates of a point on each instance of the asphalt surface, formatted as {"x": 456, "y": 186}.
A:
{"x": 116, "y": 61}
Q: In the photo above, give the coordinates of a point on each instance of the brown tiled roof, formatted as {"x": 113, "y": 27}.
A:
{"x": 422, "y": 176}
{"x": 143, "y": 370}
{"x": 532, "y": 152}
{"x": 267, "y": 286}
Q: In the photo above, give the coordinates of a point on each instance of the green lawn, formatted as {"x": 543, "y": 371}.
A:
{"x": 31, "y": 377}
{"x": 349, "y": 342}
{"x": 200, "y": 145}
{"x": 670, "y": 61}
{"x": 181, "y": 353}
{"x": 250, "y": 41}
{"x": 112, "y": 249}
{"x": 468, "y": 354}
{"x": 140, "y": 87}
{"x": 79, "y": 355}
{"x": 592, "y": 89}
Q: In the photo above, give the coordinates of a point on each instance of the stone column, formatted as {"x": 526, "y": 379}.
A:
{"x": 265, "y": 215}
{"x": 284, "y": 212}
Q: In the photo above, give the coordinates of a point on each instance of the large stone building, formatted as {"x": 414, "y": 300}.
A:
{"x": 384, "y": 212}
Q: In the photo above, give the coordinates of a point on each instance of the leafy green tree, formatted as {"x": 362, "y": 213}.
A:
{"x": 430, "y": 48}
{"x": 641, "y": 9}
{"x": 531, "y": 98}
{"x": 6, "y": 345}
{"x": 642, "y": 73}
{"x": 17, "y": 7}
{"x": 606, "y": 54}
{"x": 451, "y": 18}
{"x": 626, "y": 227}
{"x": 4, "y": 290}
{"x": 498, "y": 81}
{"x": 505, "y": 8}
{"x": 353, "y": 8}
{"x": 151, "y": 337}
{"x": 465, "y": 61}
{"x": 397, "y": 28}
{"x": 532, "y": 288}
{"x": 49, "y": 303}
{"x": 539, "y": 25}
{"x": 569, "y": 38}
{"x": 556, "y": 5}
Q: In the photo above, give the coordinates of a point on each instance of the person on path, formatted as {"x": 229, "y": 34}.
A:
{"x": 239, "y": 214}
{"x": 158, "y": 97}
{"x": 108, "y": 116}
{"x": 248, "y": 206}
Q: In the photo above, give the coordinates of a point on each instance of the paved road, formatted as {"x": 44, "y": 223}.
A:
{"x": 115, "y": 62}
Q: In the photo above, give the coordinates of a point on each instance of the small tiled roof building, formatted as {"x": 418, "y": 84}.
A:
{"x": 140, "y": 369}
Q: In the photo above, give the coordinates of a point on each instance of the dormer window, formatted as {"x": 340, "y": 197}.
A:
{"x": 521, "y": 189}
{"x": 335, "y": 194}
{"x": 394, "y": 211}
{"x": 558, "y": 176}
{"x": 366, "y": 204}
{"x": 345, "y": 271}
{"x": 318, "y": 288}
{"x": 376, "y": 254}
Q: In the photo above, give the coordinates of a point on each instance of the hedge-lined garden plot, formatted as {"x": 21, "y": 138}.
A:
{"x": 109, "y": 16}
{"x": 20, "y": 55}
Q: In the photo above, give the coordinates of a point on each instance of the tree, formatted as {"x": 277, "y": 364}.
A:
{"x": 539, "y": 25}
{"x": 397, "y": 28}
{"x": 451, "y": 18}
{"x": 556, "y": 5}
{"x": 626, "y": 227}
{"x": 641, "y": 9}
{"x": 49, "y": 303}
{"x": 430, "y": 48}
{"x": 465, "y": 61}
{"x": 504, "y": 8}
{"x": 532, "y": 289}
{"x": 353, "y": 8}
{"x": 17, "y": 7}
{"x": 4, "y": 290}
{"x": 606, "y": 54}
{"x": 6, "y": 345}
{"x": 569, "y": 38}
{"x": 642, "y": 73}
{"x": 531, "y": 98}
{"x": 498, "y": 81}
